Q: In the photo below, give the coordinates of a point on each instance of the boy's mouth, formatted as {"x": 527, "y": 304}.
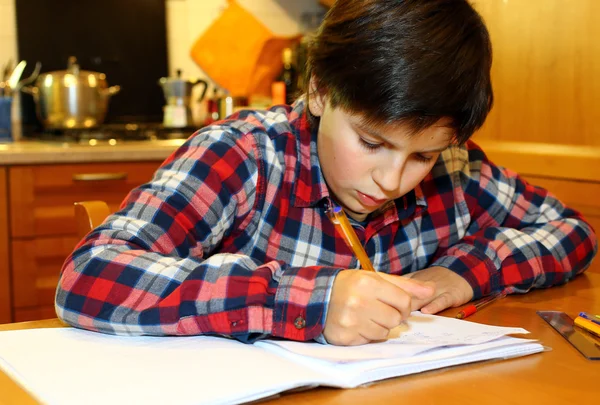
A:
{"x": 370, "y": 201}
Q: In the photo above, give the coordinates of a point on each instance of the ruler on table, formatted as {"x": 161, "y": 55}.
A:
{"x": 586, "y": 343}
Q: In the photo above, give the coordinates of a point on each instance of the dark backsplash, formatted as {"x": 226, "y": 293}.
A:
{"x": 125, "y": 39}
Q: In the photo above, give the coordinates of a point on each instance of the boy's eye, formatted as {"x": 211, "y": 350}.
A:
{"x": 369, "y": 145}
{"x": 423, "y": 158}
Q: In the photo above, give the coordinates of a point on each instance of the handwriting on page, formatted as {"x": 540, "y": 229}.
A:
{"x": 404, "y": 335}
{"x": 424, "y": 329}
{"x": 421, "y": 333}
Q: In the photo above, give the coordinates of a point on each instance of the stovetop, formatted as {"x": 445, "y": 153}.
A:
{"x": 113, "y": 134}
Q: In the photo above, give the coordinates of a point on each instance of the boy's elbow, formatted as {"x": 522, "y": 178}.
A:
{"x": 68, "y": 314}
{"x": 591, "y": 235}
{"x": 63, "y": 311}
{"x": 65, "y": 301}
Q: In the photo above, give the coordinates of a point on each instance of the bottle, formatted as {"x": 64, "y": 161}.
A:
{"x": 212, "y": 109}
{"x": 288, "y": 77}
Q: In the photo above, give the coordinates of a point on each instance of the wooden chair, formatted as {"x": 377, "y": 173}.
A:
{"x": 88, "y": 215}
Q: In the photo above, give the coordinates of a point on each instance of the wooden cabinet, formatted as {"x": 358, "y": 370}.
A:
{"x": 36, "y": 263}
{"x": 5, "y": 312}
{"x": 41, "y": 228}
{"x": 41, "y": 197}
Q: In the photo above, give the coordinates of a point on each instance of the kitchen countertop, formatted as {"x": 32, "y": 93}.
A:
{"x": 579, "y": 162}
{"x": 48, "y": 152}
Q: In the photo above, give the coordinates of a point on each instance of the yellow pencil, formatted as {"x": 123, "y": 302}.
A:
{"x": 342, "y": 225}
{"x": 587, "y": 325}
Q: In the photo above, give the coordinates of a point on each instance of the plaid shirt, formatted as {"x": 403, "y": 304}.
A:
{"x": 231, "y": 236}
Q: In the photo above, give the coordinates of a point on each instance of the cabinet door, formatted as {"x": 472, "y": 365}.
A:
{"x": 42, "y": 223}
{"x": 36, "y": 265}
{"x": 5, "y": 316}
{"x": 42, "y": 197}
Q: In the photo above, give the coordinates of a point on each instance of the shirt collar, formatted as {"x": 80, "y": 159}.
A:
{"x": 420, "y": 199}
{"x": 309, "y": 186}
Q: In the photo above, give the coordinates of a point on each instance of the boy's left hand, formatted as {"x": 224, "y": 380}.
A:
{"x": 451, "y": 290}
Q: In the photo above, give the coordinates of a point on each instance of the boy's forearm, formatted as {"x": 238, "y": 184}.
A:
{"x": 133, "y": 292}
{"x": 518, "y": 236}
{"x": 500, "y": 259}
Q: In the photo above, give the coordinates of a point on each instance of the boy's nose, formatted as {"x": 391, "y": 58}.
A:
{"x": 389, "y": 177}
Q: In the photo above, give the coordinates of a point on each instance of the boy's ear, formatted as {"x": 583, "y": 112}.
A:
{"x": 316, "y": 99}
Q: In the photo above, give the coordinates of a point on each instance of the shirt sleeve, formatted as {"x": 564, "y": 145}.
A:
{"x": 160, "y": 265}
{"x": 518, "y": 236}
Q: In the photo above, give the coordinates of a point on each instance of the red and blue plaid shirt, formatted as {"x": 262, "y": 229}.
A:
{"x": 231, "y": 236}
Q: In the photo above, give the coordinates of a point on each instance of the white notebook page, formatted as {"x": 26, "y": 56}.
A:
{"x": 66, "y": 366}
{"x": 421, "y": 333}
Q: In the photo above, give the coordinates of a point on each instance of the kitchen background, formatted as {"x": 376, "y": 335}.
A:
{"x": 544, "y": 124}
{"x": 546, "y": 62}
{"x": 128, "y": 41}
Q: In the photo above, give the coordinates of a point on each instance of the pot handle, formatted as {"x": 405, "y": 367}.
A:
{"x": 31, "y": 79}
{"x": 32, "y": 90}
{"x": 204, "y": 83}
{"x": 111, "y": 91}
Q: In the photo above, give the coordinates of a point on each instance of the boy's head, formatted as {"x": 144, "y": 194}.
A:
{"x": 394, "y": 83}
{"x": 404, "y": 61}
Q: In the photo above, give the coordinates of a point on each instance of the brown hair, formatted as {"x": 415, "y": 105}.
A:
{"x": 408, "y": 61}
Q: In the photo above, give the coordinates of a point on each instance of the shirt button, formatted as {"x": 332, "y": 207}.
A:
{"x": 299, "y": 322}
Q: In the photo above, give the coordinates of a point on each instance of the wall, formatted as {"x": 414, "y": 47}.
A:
{"x": 546, "y": 71}
{"x": 8, "y": 31}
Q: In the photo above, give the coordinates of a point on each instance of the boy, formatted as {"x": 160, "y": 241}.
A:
{"x": 232, "y": 237}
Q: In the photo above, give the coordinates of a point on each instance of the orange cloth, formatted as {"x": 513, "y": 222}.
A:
{"x": 239, "y": 53}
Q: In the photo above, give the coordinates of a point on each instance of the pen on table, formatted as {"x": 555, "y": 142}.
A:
{"x": 476, "y": 306}
{"x": 590, "y": 317}
{"x": 587, "y": 325}
{"x": 342, "y": 225}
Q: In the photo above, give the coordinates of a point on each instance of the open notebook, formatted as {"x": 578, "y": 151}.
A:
{"x": 70, "y": 366}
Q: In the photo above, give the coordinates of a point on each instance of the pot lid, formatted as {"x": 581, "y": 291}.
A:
{"x": 74, "y": 70}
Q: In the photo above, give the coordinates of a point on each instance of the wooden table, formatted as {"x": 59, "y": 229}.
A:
{"x": 559, "y": 376}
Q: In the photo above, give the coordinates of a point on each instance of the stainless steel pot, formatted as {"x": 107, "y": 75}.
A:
{"x": 71, "y": 98}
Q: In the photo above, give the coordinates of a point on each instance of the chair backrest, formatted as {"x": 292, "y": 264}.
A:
{"x": 88, "y": 215}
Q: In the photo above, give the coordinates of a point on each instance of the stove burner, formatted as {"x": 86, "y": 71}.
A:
{"x": 113, "y": 134}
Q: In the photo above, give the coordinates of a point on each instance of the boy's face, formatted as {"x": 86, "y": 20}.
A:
{"x": 365, "y": 167}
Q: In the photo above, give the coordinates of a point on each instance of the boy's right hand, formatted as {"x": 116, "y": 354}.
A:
{"x": 365, "y": 306}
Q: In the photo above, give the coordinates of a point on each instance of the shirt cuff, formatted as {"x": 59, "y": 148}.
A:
{"x": 301, "y": 302}
{"x": 321, "y": 338}
{"x": 474, "y": 266}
